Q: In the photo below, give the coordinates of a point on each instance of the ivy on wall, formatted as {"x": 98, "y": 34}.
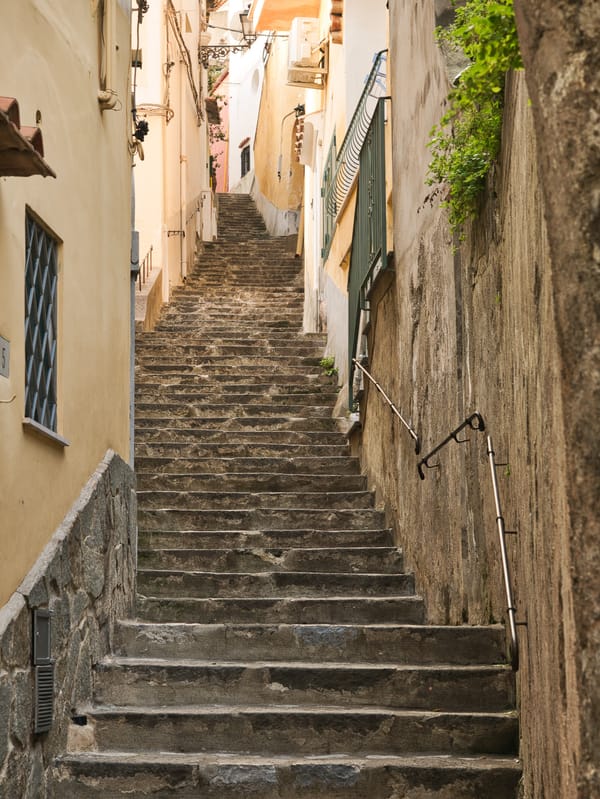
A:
{"x": 467, "y": 139}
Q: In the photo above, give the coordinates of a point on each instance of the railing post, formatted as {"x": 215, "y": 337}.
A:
{"x": 514, "y": 641}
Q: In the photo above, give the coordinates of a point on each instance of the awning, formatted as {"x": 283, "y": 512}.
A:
{"x": 277, "y": 15}
{"x": 21, "y": 148}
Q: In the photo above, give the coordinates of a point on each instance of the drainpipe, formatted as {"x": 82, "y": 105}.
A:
{"x": 134, "y": 272}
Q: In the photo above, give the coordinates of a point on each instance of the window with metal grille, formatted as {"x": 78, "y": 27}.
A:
{"x": 246, "y": 160}
{"x": 330, "y": 206}
{"x": 41, "y": 277}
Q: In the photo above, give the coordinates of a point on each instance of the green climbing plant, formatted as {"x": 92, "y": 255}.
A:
{"x": 467, "y": 139}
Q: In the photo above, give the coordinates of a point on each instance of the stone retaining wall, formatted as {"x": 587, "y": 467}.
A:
{"x": 86, "y": 577}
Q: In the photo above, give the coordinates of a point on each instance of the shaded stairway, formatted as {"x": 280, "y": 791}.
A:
{"x": 280, "y": 649}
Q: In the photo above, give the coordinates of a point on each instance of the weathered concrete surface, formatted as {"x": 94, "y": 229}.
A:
{"x": 559, "y": 42}
{"x": 86, "y": 577}
{"x": 508, "y": 326}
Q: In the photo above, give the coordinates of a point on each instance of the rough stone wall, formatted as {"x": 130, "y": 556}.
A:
{"x": 86, "y": 577}
{"x": 488, "y": 327}
{"x": 559, "y": 44}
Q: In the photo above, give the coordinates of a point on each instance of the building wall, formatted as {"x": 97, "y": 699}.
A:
{"x": 365, "y": 34}
{"x": 50, "y": 64}
{"x": 472, "y": 326}
{"x": 172, "y": 181}
{"x": 274, "y": 136}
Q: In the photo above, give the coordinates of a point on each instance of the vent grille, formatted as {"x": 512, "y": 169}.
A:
{"x": 44, "y": 698}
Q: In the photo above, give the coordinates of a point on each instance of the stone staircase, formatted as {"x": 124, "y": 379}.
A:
{"x": 279, "y": 649}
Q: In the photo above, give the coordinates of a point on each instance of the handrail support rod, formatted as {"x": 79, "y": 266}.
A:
{"x": 514, "y": 642}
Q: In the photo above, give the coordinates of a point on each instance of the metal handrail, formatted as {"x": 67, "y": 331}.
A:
{"x": 145, "y": 269}
{"x": 511, "y": 610}
{"x": 395, "y": 410}
{"x": 474, "y": 422}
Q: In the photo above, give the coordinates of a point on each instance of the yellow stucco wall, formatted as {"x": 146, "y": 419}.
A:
{"x": 50, "y": 64}
{"x": 277, "y": 100}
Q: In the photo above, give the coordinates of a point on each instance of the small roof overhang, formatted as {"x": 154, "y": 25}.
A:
{"x": 277, "y": 15}
{"x": 21, "y": 147}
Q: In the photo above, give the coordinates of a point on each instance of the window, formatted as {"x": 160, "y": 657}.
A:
{"x": 245, "y": 160}
{"x": 41, "y": 277}
{"x": 328, "y": 193}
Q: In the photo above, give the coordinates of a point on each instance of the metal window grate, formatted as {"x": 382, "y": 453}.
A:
{"x": 329, "y": 200}
{"x": 41, "y": 275}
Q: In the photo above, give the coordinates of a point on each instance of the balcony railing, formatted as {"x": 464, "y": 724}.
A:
{"x": 369, "y": 241}
{"x": 337, "y": 182}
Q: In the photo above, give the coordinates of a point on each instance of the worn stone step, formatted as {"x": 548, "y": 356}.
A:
{"x": 228, "y": 499}
{"x": 323, "y": 559}
{"x": 150, "y": 482}
{"x": 287, "y": 381}
{"x": 168, "y": 682}
{"x": 323, "y": 465}
{"x": 209, "y": 408}
{"x": 276, "y": 538}
{"x": 235, "y": 423}
{"x": 227, "y": 335}
{"x": 218, "y": 396}
{"x": 293, "y": 730}
{"x": 350, "y": 643}
{"x": 244, "y": 449}
{"x": 290, "y": 610}
{"x": 259, "y": 519}
{"x": 149, "y": 436}
{"x": 112, "y": 775}
{"x": 271, "y": 584}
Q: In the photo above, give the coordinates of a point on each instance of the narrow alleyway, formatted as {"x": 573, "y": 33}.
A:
{"x": 280, "y": 649}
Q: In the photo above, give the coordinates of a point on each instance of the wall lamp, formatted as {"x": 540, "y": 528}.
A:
{"x": 220, "y": 52}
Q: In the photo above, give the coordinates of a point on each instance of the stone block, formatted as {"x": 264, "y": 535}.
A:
{"x": 22, "y": 711}
{"x": 36, "y": 784}
{"x": 5, "y": 703}
{"x": 15, "y": 632}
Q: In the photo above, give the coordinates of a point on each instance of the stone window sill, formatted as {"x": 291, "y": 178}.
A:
{"x": 31, "y": 426}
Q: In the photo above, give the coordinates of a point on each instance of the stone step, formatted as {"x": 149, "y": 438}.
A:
{"x": 322, "y": 559}
{"x": 263, "y": 539}
{"x": 235, "y": 423}
{"x": 173, "y": 362}
{"x": 168, "y": 682}
{"x": 222, "y": 371}
{"x": 147, "y": 438}
{"x": 220, "y": 348}
{"x": 112, "y": 775}
{"x": 210, "y": 409}
{"x": 277, "y": 610}
{"x": 308, "y": 730}
{"x": 218, "y": 396}
{"x": 280, "y": 382}
{"x": 259, "y": 481}
{"x": 226, "y": 500}
{"x": 227, "y": 335}
{"x": 233, "y": 449}
{"x": 338, "y": 465}
{"x": 259, "y": 519}
{"x": 270, "y": 584}
{"x": 350, "y": 643}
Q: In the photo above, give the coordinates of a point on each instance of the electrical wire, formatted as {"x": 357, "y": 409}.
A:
{"x": 267, "y": 35}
